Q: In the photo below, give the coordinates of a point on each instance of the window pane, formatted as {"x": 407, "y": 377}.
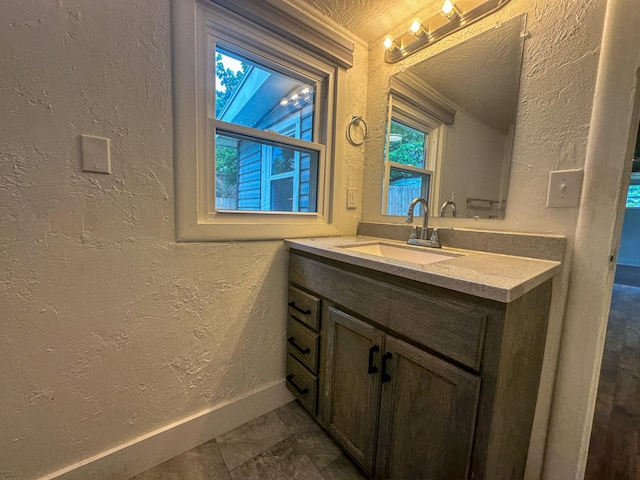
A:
{"x": 403, "y": 188}
{"x": 282, "y": 160}
{"x": 633, "y": 196}
{"x": 252, "y": 95}
{"x": 258, "y": 175}
{"x": 282, "y": 195}
{"x": 407, "y": 145}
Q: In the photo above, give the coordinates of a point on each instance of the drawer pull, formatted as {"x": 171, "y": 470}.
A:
{"x": 293, "y": 343}
{"x": 372, "y": 369}
{"x": 301, "y": 391}
{"x": 297, "y": 308}
{"x": 385, "y": 376}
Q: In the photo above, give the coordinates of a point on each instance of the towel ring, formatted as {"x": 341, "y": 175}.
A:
{"x": 355, "y": 121}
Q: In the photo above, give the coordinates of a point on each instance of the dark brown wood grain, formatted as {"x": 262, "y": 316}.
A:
{"x": 303, "y": 384}
{"x": 304, "y": 307}
{"x": 303, "y": 344}
{"x": 446, "y": 324}
{"x": 614, "y": 451}
{"x": 427, "y": 416}
{"x": 473, "y": 363}
{"x": 352, "y": 393}
{"x": 521, "y": 352}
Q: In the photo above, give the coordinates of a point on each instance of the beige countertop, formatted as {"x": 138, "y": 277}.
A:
{"x": 488, "y": 275}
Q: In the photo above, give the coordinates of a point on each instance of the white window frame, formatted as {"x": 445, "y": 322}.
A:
{"x": 268, "y": 177}
{"x": 434, "y": 143}
{"x": 195, "y": 24}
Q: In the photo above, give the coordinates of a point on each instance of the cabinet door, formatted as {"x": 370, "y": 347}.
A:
{"x": 352, "y": 390}
{"x": 427, "y": 416}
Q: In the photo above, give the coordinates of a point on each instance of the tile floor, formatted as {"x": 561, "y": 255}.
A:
{"x": 284, "y": 444}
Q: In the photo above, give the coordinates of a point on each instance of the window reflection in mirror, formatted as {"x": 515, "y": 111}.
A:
{"x": 410, "y": 157}
{"x": 407, "y": 147}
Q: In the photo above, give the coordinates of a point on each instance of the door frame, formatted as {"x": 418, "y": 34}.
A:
{"x": 613, "y": 130}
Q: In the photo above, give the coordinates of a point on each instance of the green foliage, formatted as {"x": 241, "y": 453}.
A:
{"x": 411, "y": 149}
{"x": 226, "y": 157}
{"x": 228, "y": 80}
{"x": 226, "y": 171}
{"x": 283, "y": 161}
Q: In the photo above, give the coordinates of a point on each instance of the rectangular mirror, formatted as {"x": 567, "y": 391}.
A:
{"x": 460, "y": 107}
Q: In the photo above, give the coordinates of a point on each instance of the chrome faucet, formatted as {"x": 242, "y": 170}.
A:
{"x": 444, "y": 206}
{"x": 434, "y": 241}
{"x": 422, "y": 240}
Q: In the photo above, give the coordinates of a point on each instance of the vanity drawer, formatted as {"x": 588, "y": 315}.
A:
{"x": 303, "y": 344}
{"x": 302, "y": 383}
{"x": 304, "y": 308}
{"x": 446, "y": 322}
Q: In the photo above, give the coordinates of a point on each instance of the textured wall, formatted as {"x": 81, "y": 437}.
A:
{"x": 109, "y": 329}
{"x": 472, "y": 166}
{"x": 552, "y": 128}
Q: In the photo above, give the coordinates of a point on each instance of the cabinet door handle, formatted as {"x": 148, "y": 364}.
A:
{"x": 385, "y": 376}
{"x": 297, "y": 308}
{"x": 301, "y": 391}
{"x": 293, "y": 343}
{"x": 372, "y": 369}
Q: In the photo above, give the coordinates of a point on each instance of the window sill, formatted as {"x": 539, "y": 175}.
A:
{"x": 221, "y": 231}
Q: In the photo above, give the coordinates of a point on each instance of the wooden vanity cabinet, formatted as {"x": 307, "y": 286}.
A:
{"x": 416, "y": 381}
{"x": 351, "y": 400}
{"x": 303, "y": 347}
{"x": 427, "y": 416}
{"x": 426, "y": 413}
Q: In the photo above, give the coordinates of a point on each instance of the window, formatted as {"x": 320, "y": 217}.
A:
{"x": 252, "y": 173}
{"x": 633, "y": 195}
{"x": 256, "y": 90}
{"x": 410, "y": 159}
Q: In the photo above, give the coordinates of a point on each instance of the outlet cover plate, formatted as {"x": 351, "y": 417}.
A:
{"x": 352, "y": 197}
{"x": 96, "y": 155}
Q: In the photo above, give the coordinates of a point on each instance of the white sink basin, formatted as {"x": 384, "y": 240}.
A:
{"x": 398, "y": 252}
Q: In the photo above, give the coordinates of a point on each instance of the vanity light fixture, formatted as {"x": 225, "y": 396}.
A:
{"x": 448, "y": 9}
{"x": 389, "y": 43}
{"x": 416, "y": 28}
{"x": 452, "y": 16}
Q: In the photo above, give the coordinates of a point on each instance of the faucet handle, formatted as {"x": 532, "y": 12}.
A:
{"x": 434, "y": 233}
{"x": 414, "y": 232}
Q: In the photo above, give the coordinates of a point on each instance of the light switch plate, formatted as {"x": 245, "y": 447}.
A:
{"x": 565, "y": 187}
{"x": 351, "y": 198}
{"x": 96, "y": 155}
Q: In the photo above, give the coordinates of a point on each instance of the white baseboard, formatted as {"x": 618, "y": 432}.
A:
{"x": 147, "y": 451}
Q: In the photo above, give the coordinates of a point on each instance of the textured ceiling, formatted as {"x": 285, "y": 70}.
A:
{"x": 368, "y": 19}
{"x": 480, "y": 75}
{"x": 492, "y": 61}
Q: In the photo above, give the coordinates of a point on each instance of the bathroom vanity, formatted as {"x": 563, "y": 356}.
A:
{"x": 419, "y": 370}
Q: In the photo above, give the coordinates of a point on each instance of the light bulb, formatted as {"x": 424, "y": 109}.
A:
{"x": 389, "y": 43}
{"x": 448, "y": 9}
{"x": 416, "y": 27}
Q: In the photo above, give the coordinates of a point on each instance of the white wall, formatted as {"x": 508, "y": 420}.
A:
{"x": 472, "y": 166}
{"x": 110, "y": 329}
{"x": 552, "y": 128}
{"x": 612, "y": 138}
